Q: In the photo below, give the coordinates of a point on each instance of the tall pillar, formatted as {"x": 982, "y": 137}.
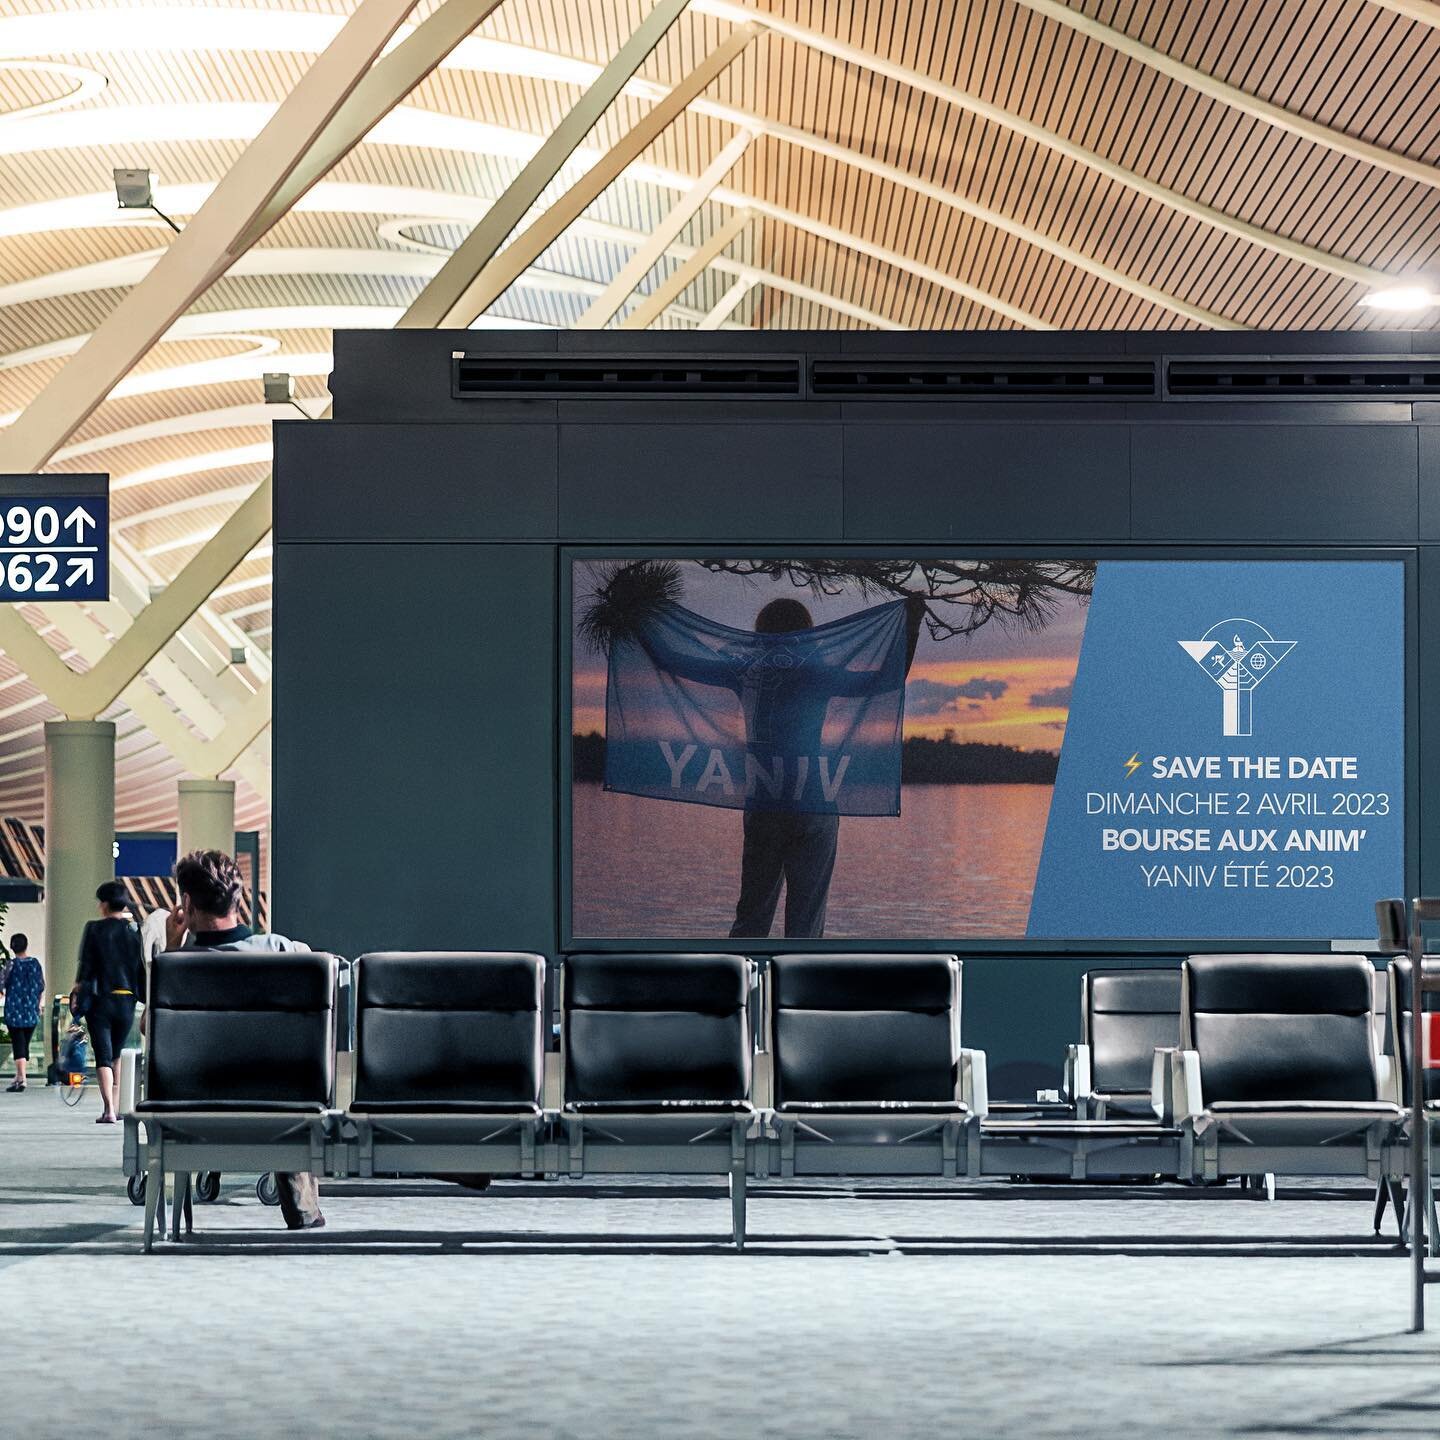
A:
{"x": 79, "y": 835}
{"x": 207, "y": 816}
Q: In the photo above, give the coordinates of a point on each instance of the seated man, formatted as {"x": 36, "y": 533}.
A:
{"x": 207, "y": 918}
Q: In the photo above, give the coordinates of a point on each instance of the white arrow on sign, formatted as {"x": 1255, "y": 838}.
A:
{"x": 80, "y": 518}
{"x": 81, "y": 566}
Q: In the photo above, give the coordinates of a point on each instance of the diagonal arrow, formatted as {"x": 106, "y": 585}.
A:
{"x": 81, "y": 565}
{"x": 79, "y": 517}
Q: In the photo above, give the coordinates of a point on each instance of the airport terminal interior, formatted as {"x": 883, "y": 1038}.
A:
{"x": 718, "y": 717}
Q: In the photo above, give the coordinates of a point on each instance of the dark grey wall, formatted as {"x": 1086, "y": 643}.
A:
{"x": 417, "y": 543}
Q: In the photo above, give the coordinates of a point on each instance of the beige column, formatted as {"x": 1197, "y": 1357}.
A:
{"x": 79, "y": 836}
{"x": 207, "y": 816}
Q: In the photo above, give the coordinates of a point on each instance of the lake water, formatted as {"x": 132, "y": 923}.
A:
{"x": 959, "y": 862}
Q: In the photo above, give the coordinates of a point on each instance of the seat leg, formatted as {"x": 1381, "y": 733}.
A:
{"x": 179, "y": 1202}
{"x": 1397, "y": 1203}
{"x": 154, "y": 1193}
{"x": 1382, "y": 1197}
{"x": 1432, "y": 1229}
{"x": 1269, "y": 1184}
{"x": 737, "y": 1202}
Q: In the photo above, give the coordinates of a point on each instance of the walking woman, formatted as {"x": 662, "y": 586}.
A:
{"x": 108, "y": 985}
{"x": 23, "y": 983}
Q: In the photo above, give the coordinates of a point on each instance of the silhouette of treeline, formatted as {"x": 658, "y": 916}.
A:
{"x": 922, "y": 762}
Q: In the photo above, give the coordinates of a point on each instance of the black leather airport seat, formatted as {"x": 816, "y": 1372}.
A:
{"x": 239, "y": 1067}
{"x": 449, "y": 1032}
{"x": 865, "y": 1030}
{"x": 657, "y": 1052}
{"x": 657, "y": 1031}
{"x": 1280, "y": 1070}
{"x": 868, "y": 1072}
{"x": 449, "y": 1065}
{"x": 1125, "y": 1016}
{"x": 1402, "y": 1015}
{"x": 240, "y": 1032}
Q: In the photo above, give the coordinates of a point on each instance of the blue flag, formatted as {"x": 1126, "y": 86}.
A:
{"x": 804, "y": 722}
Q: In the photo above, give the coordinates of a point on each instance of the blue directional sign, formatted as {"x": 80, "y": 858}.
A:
{"x": 54, "y": 547}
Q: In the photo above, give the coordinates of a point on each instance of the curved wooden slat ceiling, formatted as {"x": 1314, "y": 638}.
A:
{"x": 931, "y": 164}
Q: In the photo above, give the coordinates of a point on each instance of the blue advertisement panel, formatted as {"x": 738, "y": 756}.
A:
{"x": 985, "y": 748}
{"x": 1233, "y": 765}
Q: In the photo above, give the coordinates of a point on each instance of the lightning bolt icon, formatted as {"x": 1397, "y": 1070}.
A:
{"x": 1132, "y": 765}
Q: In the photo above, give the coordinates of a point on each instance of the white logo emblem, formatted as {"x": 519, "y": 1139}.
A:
{"x": 1237, "y": 667}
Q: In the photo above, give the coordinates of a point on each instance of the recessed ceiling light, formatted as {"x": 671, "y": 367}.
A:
{"x": 1402, "y": 297}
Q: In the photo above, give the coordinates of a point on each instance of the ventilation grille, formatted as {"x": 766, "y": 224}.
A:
{"x": 980, "y": 379}
{"x": 1351, "y": 379}
{"x": 534, "y": 377}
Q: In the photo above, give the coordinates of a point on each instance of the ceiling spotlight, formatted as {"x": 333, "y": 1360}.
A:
{"x": 135, "y": 189}
{"x": 1402, "y": 297}
{"x": 280, "y": 390}
{"x": 279, "y": 387}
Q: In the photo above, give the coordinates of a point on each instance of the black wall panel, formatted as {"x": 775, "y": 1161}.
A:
{"x": 415, "y": 482}
{"x": 414, "y": 742}
{"x": 1287, "y": 483}
{"x": 1429, "y": 436}
{"x": 708, "y": 481}
{"x": 985, "y": 482}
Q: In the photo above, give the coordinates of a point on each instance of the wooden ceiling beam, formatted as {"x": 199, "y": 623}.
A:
{"x": 1211, "y": 86}
{"x": 1175, "y": 200}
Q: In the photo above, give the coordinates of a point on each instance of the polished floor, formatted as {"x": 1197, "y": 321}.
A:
{"x": 602, "y": 1310}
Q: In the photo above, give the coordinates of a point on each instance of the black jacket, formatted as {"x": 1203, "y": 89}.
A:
{"x": 111, "y": 957}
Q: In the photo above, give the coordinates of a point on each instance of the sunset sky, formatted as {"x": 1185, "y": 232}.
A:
{"x": 1002, "y": 684}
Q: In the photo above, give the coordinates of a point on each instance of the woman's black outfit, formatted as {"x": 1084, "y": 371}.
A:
{"x": 112, "y": 971}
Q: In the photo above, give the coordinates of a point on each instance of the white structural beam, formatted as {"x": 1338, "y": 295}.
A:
{"x": 1425, "y": 11}
{"x": 962, "y": 99}
{"x": 443, "y": 302}
{"x": 654, "y": 305}
{"x": 503, "y": 270}
{"x": 608, "y": 305}
{"x": 206, "y": 246}
{"x": 423, "y": 205}
{"x": 724, "y": 307}
{"x": 388, "y": 81}
{"x": 1221, "y": 90}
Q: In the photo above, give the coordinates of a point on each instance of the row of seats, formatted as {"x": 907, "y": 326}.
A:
{"x": 855, "y": 1067}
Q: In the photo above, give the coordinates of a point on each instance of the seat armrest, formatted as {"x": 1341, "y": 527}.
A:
{"x": 1387, "y": 1080}
{"x": 974, "y": 1082}
{"x": 1076, "y": 1084}
{"x": 552, "y": 1080}
{"x": 129, "y": 1082}
{"x": 1178, "y": 1097}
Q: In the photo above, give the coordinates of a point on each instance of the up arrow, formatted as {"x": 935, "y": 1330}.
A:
{"x": 82, "y": 568}
{"x": 80, "y": 518}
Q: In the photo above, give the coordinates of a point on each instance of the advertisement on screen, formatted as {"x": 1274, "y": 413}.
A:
{"x": 1000, "y": 749}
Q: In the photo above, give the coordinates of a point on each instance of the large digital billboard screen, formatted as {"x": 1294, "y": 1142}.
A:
{"x": 985, "y": 748}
